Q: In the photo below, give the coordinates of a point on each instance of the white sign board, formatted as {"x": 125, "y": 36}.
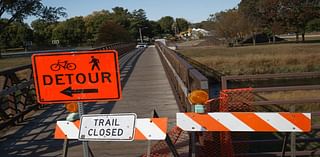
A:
{"x": 107, "y": 127}
{"x": 55, "y": 42}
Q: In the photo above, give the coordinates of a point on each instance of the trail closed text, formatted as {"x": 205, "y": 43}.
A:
{"x": 107, "y": 127}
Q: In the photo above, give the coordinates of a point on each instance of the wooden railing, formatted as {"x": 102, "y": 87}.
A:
{"x": 120, "y": 47}
{"x": 182, "y": 76}
{"x": 17, "y": 96}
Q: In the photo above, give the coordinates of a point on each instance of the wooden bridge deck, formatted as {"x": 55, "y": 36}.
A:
{"x": 145, "y": 87}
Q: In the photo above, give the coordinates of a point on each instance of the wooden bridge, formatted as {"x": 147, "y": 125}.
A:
{"x": 155, "y": 78}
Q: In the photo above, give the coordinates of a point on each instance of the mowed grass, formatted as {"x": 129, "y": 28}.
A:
{"x": 261, "y": 59}
{"x": 7, "y": 63}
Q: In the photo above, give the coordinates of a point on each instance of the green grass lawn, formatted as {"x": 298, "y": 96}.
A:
{"x": 6, "y": 63}
{"x": 262, "y": 59}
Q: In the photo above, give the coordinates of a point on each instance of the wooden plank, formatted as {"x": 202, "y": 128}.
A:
{"x": 199, "y": 81}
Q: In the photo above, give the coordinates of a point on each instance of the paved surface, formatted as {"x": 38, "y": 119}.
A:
{"x": 145, "y": 87}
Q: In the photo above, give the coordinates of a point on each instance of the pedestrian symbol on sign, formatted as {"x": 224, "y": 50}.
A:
{"x": 95, "y": 63}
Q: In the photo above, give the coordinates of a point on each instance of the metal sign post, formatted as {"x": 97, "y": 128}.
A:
{"x": 84, "y": 143}
{"x": 293, "y": 136}
{"x": 65, "y": 148}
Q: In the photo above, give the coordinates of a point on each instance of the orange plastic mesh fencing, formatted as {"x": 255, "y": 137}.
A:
{"x": 234, "y": 100}
{"x": 209, "y": 142}
{"x": 161, "y": 149}
{"x": 212, "y": 143}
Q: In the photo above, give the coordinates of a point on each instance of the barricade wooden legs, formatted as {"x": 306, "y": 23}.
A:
{"x": 160, "y": 149}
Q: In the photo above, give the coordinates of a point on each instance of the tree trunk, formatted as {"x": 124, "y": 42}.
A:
{"x": 302, "y": 35}
{"x": 297, "y": 34}
{"x": 273, "y": 38}
{"x": 254, "y": 38}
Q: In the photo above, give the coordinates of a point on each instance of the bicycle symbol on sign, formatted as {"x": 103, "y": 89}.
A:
{"x": 65, "y": 65}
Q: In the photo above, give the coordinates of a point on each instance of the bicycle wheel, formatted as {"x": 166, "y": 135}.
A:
{"x": 55, "y": 67}
{"x": 71, "y": 66}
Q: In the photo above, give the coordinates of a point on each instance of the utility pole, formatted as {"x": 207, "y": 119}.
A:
{"x": 140, "y": 35}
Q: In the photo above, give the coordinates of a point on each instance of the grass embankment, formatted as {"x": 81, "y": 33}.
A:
{"x": 262, "y": 59}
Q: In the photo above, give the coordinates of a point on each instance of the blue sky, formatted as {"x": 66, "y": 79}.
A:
{"x": 192, "y": 10}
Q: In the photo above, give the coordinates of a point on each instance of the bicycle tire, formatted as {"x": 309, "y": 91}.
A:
{"x": 71, "y": 66}
{"x": 55, "y": 67}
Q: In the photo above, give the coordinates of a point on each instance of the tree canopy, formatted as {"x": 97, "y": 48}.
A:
{"x": 111, "y": 32}
{"x": 265, "y": 16}
{"x": 17, "y": 10}
{"x": 99, "y": 27}
{"x": 166, "y": 23}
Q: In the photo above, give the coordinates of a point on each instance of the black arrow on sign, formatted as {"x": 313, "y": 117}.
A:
{"x": 69, "y": 91}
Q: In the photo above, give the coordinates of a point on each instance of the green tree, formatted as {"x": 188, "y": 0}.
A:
{"x": 15, "y": 35}
{"x": 155, "y": 29}
{"x": 93, "y": 22}
{"x": 121, "y": 16}
{"x": 314, "y": 26}
{"x": 17, "y": 10}
{"x": 138, "y": 21}
{"x": 166, "y": 24}
{"x": 182, "y": 24}
{"x": 229, "y": 24}
{"x": 271, "y": 18}
{"x": 70, "y": 32}
{"x": 111, "y": 32}
{"x": 249, "y": 9}
{"x": 298, "y": 13}
{"x": 42, "y": 32}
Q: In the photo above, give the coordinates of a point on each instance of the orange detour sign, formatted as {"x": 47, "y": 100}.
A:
{"x": 77, "y": 76}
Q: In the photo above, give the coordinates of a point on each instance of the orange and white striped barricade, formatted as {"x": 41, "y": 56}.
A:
{"x": 245, "y": 121}
{"x": 151, "y": 129}
{"x": 145, "y": 129}
{"x": 67, "y": 130}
